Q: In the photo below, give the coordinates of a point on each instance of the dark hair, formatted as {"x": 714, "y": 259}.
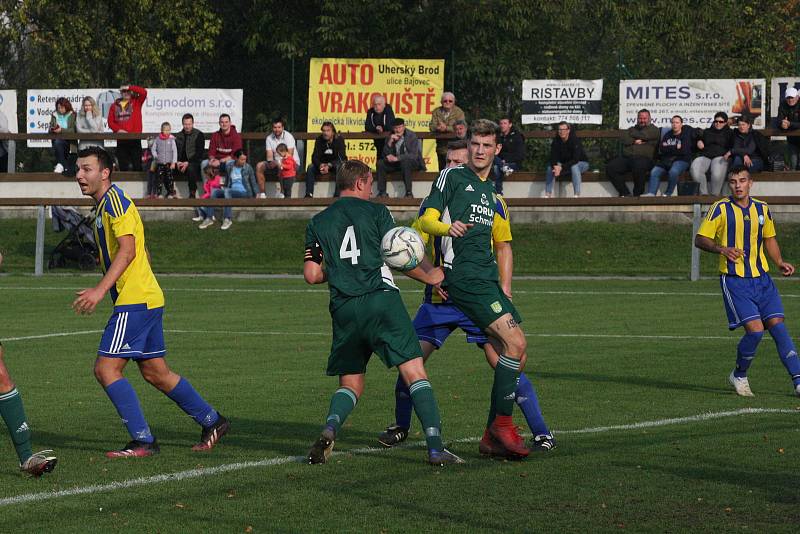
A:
{"x": 458, "y": 144}
{"x": 484, "y": 127}
{"x": 225, "y": 115}
{"x": 505, "y": 117}
{"x": 721, "y": 115}
{"x": 746, "y": 117}
{"x": 281, "y": 146}
{"x": 737, "y": 170}
{"x": 328, "y": 123}
{"x": 277, "y": 120}
{"x": 62, "y": 101}
{"x": 239, "y": 153}
{"x": 643, "y": 110}
{"x": 398, "y": 121}
{"x": 350, "y": 172}
{"x": 103, "y": 157}
{"x": 187, "y": 116}
{"x": 677, "y": 117}
{"x": 565, "y": 123}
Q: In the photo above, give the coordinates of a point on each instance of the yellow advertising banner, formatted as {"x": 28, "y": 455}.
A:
{"x": 341, "y": 91}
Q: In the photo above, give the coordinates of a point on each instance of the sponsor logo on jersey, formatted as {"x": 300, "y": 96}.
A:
{"x": 469, "y": 188}
{"x": 484, "y": 200}
{"x": 496, "y": 306}
{"x": 98, "y": 221}
{"x": 761, "y": 220}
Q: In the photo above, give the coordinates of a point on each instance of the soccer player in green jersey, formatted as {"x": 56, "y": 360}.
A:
{"x": 367, "y": 310}
{"x": 13, "y": 414}
{"x": 460, "y": 208}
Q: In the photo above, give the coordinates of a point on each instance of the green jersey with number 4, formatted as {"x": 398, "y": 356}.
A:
{"x": 349, "y": 231}
{"x": 460, "y": 195}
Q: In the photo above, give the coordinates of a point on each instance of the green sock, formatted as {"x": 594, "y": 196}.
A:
{"x": 428, "y": 412}
{"x": 14, "y": 416}
{"x": 342, "y": 403}
{"x": 506, "y": 374}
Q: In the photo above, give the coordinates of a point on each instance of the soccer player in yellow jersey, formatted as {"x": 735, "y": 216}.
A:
{"x": 134, "y": 331}
{"x": 739, "y": 229}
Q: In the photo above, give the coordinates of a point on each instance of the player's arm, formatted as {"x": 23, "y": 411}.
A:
{"x": 426, "y": 273}
{"x": 505, "y": 264}
{"x": 709, "y": 245}
{"x": 430, "y": 224}
{"x": 704, "y": 240}
{"x": 88, "y": 299}
{"x": 774, "y": 251}
{"x": 313, "y": 273}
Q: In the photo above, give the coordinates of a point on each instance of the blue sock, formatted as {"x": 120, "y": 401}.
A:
{"x": 745, "y": 352}
{"x": 402, "y": 404}
{"x": 185, "y": 396}
{"x": 786, "y": 351}
{"x": 127, "y": 404}
{"x": 528, "y": 402}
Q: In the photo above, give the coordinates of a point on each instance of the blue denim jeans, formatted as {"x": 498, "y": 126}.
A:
{"x": 225, "y": 192}
{"x": 677, "y": 168}
{"x": 757, "y": 166}
{"x": 497, "y": 171}
{"x": 576, "y": 171}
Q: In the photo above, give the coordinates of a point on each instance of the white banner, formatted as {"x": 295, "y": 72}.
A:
{"x": 162, "y": 105}
{"x": 574, "y": 101}
{"x": 778, "y": 89}
{"x": 695, "y": 100}
{"x": 8, "y": 111}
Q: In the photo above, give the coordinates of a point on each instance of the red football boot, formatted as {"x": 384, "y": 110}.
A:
{"x": 505, "y": 433}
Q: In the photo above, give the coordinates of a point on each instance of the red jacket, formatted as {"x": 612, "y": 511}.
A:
{"x": 222, "y": 145}
{"x": 287, "y": 168}
{"x": 129, "y": 119}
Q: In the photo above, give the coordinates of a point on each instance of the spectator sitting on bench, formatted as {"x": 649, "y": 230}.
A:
{"x": 240, "y": 182}
{"x": 750, "y": 148}
{"x": 225, "y": 142}
{"x": 329, "y": 152}
{"x": 674, "y": 155}
{"x": 403, "y": 152}
{"x": 566, "y": 156}
{"x": 639, "y": 144}
{"x": 272, "y": 164}
{"x": 89, "y": 120}
{"x": 789, "y": 120}
{"x": 191, "y": 144}
{"x": 511, "y": 155}
{"x": 714, "y": 143}
{"x": 63, "y": 121}
{"x": 213, "y": 182}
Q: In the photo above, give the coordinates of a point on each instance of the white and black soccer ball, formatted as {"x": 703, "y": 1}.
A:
{"x": 402, "y": 248}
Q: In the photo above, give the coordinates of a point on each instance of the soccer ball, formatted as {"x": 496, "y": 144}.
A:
{"x": 402, "y": 248}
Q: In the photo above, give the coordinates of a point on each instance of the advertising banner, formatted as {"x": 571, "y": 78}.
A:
{"x": 694, "y": 100}
{"x": 341, "y": 91}
{"x": 162, "y": 105}
{"x": 8, "y": 111}
{"x": 574, "y": 101}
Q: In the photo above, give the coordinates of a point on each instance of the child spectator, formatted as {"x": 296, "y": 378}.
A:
{"x": 165, "y": 159}
{"x": 288, "y": 171}
{"x": 213, "y": 180}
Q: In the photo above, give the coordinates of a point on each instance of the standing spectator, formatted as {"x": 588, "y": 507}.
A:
{"x": 225, "y": 142}
{"x": 443, "y": 120}
{"x": 165, "y": 159}
{"x": 713, "y": 143}
{"x": 63, "y": 121}
{"x": 240, "y": 182}
{"x": 750, "y": 149}
{"x": 674, "y": 155}
{"x": 329, "y": 152}
{"x": 190, "y": 143}
{"x": 213, "y": 181}
{"x": 403, "y": 152}
{"x": 512, "y": 153}
{"x": 287, "y": 172}
{"x": 566, "y": 156}
{"x": 380, "y": 120}
{"x": 125, "y": 116}
{"x": 89, "y": 120}
{"x": 789, "y": 120}
{"x": 273, "y": 162}
{"x": 639, "y": 147}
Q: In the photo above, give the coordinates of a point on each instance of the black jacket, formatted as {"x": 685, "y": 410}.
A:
{"x": 568, "y": 152}
{"x": 384, "y": 120}
{"x": 792, "y": 113}
{"x": 676, "y": 147}
{"x": 513, "y": 150}
{"x": 190, "y": 146}
{"x": 752, "y": 144}
{"x": 716, "y": 141}
{"x": 333, "y": 151}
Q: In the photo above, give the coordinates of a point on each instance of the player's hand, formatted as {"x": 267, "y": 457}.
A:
{"x": 435, "y": 276}
{"x": 732, "y": 253}
{"x": 441, "y": 292}
{"x": 87, "y": 300}
{"x": 459, "y": 229}
{"x": 787, "y": 269}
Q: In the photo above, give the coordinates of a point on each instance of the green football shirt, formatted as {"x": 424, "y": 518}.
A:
{"x": 350, "y": 232}
{"x": 460, "y": 195}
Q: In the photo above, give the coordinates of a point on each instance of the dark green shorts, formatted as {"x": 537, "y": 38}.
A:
{"x": 482, "y": 301}
{"x": 377, "y": 322}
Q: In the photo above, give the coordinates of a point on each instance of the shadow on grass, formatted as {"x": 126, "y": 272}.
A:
{"x": 632, "y": 380}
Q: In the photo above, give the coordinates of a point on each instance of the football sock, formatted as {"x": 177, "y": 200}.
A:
{"x": 190, "y": 401}
{"x": 786, "y": 351}
{"x": 528, "y": 402}
{"x": 402, "y": 404}
{"x": 428, "y": 413}
{"x": 13, "y": 414}
{"x": 745, "y": 352}
{"x": 127, "y": 404}
{"x": 342, "y": 403}
{"x": 506, "y": 374}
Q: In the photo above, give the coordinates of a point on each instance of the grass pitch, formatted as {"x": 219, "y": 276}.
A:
{"x": 601, "y": 354}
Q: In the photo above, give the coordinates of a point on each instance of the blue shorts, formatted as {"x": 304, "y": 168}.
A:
{"x": 747, "y": 299}
{"x": 134, "y": 332}
{"x": 434, "y": 322}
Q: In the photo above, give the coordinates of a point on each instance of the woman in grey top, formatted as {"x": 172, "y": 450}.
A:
{"x": 89, "y": 120}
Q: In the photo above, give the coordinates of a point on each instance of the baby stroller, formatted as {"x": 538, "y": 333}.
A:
{"x": 78, "y": 247}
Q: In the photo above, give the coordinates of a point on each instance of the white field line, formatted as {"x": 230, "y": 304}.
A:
{"x": 281, "y": 460}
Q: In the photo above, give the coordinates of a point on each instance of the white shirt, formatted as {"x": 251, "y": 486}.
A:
{"x": 287, "y": 139}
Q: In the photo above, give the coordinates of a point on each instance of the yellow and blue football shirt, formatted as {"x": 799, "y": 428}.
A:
{"x": 501, "y": 232}
{"x": 731, "y": 225}
{"x": 118, "y": 216}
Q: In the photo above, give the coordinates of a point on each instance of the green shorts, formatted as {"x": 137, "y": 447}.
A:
{"x": 483, "y": 301}
{"x": 376, "y": 322}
